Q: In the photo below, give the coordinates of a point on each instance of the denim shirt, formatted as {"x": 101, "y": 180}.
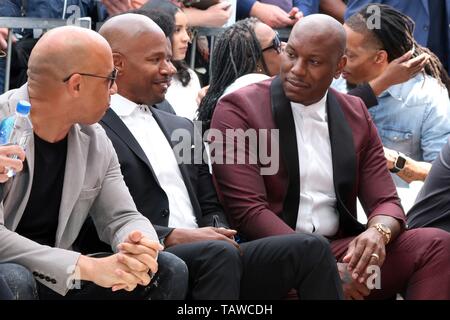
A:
{"x": 44, "y": 8}
{"x": 414, "y": 118}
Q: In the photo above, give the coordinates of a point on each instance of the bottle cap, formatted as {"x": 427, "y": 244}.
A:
{"x": 23, "y": 107}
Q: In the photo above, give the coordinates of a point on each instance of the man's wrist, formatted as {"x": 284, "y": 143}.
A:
{"x": 85, "y": 266}
{"x": 399, "y": 163}
{"x": 384, "y": 230}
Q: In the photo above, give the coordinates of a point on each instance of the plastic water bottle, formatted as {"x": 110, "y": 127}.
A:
{"x": 17, "y": 129}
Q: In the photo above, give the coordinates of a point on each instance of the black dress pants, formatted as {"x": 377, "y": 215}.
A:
{"x": 267, "y": 268}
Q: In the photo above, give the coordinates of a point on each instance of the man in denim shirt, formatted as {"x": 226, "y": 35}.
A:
{"x": 53, "y": 9}
{"x": 432, "y": 19}
{"x": 413, "y": 118}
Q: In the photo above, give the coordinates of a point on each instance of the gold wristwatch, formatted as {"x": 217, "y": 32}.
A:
{"x": 384, "y": 230}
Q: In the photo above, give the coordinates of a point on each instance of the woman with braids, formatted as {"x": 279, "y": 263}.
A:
{"x": 247, "y": 52}
{"x": 185, "y": 86}
{"x": 412, "y": 118}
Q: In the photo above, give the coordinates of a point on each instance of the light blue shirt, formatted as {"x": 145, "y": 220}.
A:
{"x": 414, "y": 118}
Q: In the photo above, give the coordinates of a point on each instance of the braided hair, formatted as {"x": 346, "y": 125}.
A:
{"x": 237, "y": 52}
{"x": 395, "y": 36}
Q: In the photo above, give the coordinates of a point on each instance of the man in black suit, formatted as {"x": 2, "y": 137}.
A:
{"x": 180, "y": 199}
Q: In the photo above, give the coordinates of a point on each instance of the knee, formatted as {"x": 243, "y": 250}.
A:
{"x": 170, "y": 263}
{"x": 428, "y": 243}
{"x": 223, "y": 253}
{"x": 437, "y": 239}
{"x": 311, "y": 243}
{"x": 19, "y": 280}
{"x": 172, "y": 278}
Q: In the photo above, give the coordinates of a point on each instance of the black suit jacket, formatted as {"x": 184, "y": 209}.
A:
{"x": 150, "y": 198}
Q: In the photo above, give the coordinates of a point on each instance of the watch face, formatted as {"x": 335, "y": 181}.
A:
{"x": 384, "y": 228}
{"x": 400, "y": 163}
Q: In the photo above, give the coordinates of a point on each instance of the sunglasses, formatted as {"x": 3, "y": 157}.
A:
{"x": 112, "y": 77}
{"x": 276, "y": 44}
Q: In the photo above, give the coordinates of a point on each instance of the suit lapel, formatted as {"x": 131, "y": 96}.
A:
{"x": 344, "y": 162}
{"x": 182, "y": 166}
{"x": 76, "y": 161}
{"x": 112, "y": 120}
{"x": 282, "y": 114}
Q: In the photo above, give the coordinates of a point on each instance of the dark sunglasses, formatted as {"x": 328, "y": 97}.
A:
{"x": 112, "y": 77}
{"x": 276, "y": 44}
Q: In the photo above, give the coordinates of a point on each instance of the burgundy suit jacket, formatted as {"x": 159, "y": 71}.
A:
{"x": 265, "y": 205}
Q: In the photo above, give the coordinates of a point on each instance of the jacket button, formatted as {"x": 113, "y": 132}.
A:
{"x": 165, "y": 212}
{"x": 35, "y": 273}
{"x": 41, "y": 276}
{"x": 47, "y": 279}
{"x": 53, "y": 281}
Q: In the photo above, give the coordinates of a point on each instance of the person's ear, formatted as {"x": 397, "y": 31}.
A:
{"x": 74, "y": 85}
{"x": 381, "y": 57}
{"x": 340, "y": 67}
{"x": 119, "y": 62}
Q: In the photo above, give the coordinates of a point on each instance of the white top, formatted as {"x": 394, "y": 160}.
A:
{"x": 141, "y": 123}
{"x": 244, "y": 81}
{"x": 184, "y": 99}
{"x": 317, "y": 210}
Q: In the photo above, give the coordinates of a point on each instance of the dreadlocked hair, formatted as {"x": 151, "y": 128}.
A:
{"x": 395, "y": 36}
{"x": 237, "y": 52}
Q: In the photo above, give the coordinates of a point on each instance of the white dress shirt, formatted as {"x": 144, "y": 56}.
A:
{"x": 146, "y": 131}
{"x": 317, "y": 210}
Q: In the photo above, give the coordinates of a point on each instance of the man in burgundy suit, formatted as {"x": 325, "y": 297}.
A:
{"x": 330, "y": 154}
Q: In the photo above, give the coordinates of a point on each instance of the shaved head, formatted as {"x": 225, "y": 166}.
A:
{"x": 65, "y": 50}
{"x": 313, "y": 56}
{"x": 323, "y": 28}
{"x": 68, "y": 80}
{"x": 124, "y": 30}
{"x": 141, "y": 57}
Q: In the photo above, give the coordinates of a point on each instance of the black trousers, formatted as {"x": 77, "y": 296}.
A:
{"x": 170, "y": 282}
{"x": 267, "y": 268}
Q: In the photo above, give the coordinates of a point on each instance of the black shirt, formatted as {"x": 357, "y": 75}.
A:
{"x": 438, "y": 34}
{"x": 40, "y": 219}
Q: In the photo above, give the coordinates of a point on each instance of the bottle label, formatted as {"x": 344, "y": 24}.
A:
{"x": 6, "y": 128}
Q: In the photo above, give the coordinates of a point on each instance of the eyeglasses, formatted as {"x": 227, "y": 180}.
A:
{"x": 112, "y": 77}
{"x": 276, "y": 44}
